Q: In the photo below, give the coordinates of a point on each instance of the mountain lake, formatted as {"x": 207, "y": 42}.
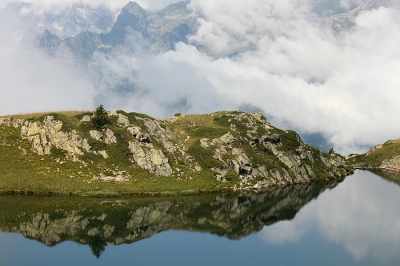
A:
{"x": 353, "y": 222}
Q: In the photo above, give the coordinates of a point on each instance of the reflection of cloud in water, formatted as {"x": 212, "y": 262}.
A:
{"x": 282, "y": 232}
{"x": 361, "y": 214}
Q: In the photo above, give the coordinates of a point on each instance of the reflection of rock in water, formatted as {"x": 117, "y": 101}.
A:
{"x": 98, "y": 222}
{"x": 388, "y": 175}
{"x": 248, "y": 213}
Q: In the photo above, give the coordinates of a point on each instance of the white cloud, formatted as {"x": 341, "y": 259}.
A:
{"x": 374, "y": 229}
{"x": 356, "y": 91}
{"x": 282, "y": 232}
{"x": 282, "y": 60}
{"x": 31, "y": 83}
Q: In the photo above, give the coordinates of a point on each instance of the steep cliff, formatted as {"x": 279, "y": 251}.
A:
{"x": 219, "y": 151}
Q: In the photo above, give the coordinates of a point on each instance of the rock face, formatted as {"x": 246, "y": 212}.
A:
{"x": 108, "y": 136}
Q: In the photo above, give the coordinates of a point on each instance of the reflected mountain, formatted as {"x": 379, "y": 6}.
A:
{"x": 388, "y": 175}
{"x": 102, "y": 222}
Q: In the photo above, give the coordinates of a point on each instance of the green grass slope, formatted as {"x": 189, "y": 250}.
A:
{"x": 383, "y": 156}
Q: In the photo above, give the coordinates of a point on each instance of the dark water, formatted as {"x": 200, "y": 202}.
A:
{"x": 355, "y": 222}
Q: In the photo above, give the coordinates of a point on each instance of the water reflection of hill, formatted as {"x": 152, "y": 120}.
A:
{"x": 388, "y": 175}
{"x": 98, "y": 222}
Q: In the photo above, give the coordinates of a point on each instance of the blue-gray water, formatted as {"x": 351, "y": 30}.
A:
{"x": 355, "y": 223}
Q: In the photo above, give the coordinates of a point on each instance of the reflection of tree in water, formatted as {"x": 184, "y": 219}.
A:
{"x": 97, "y": 245}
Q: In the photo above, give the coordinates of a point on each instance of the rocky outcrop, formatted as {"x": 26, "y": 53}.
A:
{"x": 261, "y": 160}
{"x": 392, "y": 164}
{"x": 47, "y": 135}
{"x": 149, "y": 158}
{"x": 108, "y": 136}
{"x": 123, "y": 120}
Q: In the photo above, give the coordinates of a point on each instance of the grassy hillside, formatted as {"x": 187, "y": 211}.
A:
{"x": 381, "y": 156}
{"x": 197, "y": 151}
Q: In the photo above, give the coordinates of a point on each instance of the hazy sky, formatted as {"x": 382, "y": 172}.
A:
{"x": 298, "y": 71}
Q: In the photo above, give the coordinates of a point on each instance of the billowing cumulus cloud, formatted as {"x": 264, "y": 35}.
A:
{"x": 280, "y": 57}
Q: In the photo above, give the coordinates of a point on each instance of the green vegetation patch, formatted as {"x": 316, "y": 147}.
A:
{"x": 209, "y": 132}
{"x": 290, "y": 139}
{"x": 204, "y": 156}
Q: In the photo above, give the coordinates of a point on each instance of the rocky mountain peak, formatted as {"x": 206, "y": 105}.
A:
{"x": 135, "y": 9}
{"x": 132, "y": 18}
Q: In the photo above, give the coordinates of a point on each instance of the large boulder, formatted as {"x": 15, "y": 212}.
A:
{"x": 149, "y": 158}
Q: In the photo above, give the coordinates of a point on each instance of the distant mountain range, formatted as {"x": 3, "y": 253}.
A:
{"x": 73, "y": 33}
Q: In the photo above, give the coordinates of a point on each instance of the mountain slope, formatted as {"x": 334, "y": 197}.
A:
{"x": 384, "y": 156}
{"x": 135, "y": 153}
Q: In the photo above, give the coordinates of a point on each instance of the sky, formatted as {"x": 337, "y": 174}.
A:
{"x": 286, "y": 63}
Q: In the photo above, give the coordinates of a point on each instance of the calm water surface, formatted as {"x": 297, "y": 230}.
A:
{"x": 355, "y": 222}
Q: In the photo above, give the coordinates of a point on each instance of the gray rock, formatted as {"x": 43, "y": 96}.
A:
{"x": 149, "y": 158}
{"x": 274, "y": 138}
{"x": 96, "y": 135}
{"x": 110, "y": 137}
{"x": 227, "y": 139}
{"x": 86, "y": 118}
{"x": 103, "y": 153}
{"x": 242, "y": 163}
{"x": 205, "y": 143}
{"x": 113, "y": 113}
{"x": 123, "y": 120}
{"x": 137, "y": 134}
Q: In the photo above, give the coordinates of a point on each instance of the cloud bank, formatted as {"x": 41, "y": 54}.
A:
{"x": 279, "y": 57}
